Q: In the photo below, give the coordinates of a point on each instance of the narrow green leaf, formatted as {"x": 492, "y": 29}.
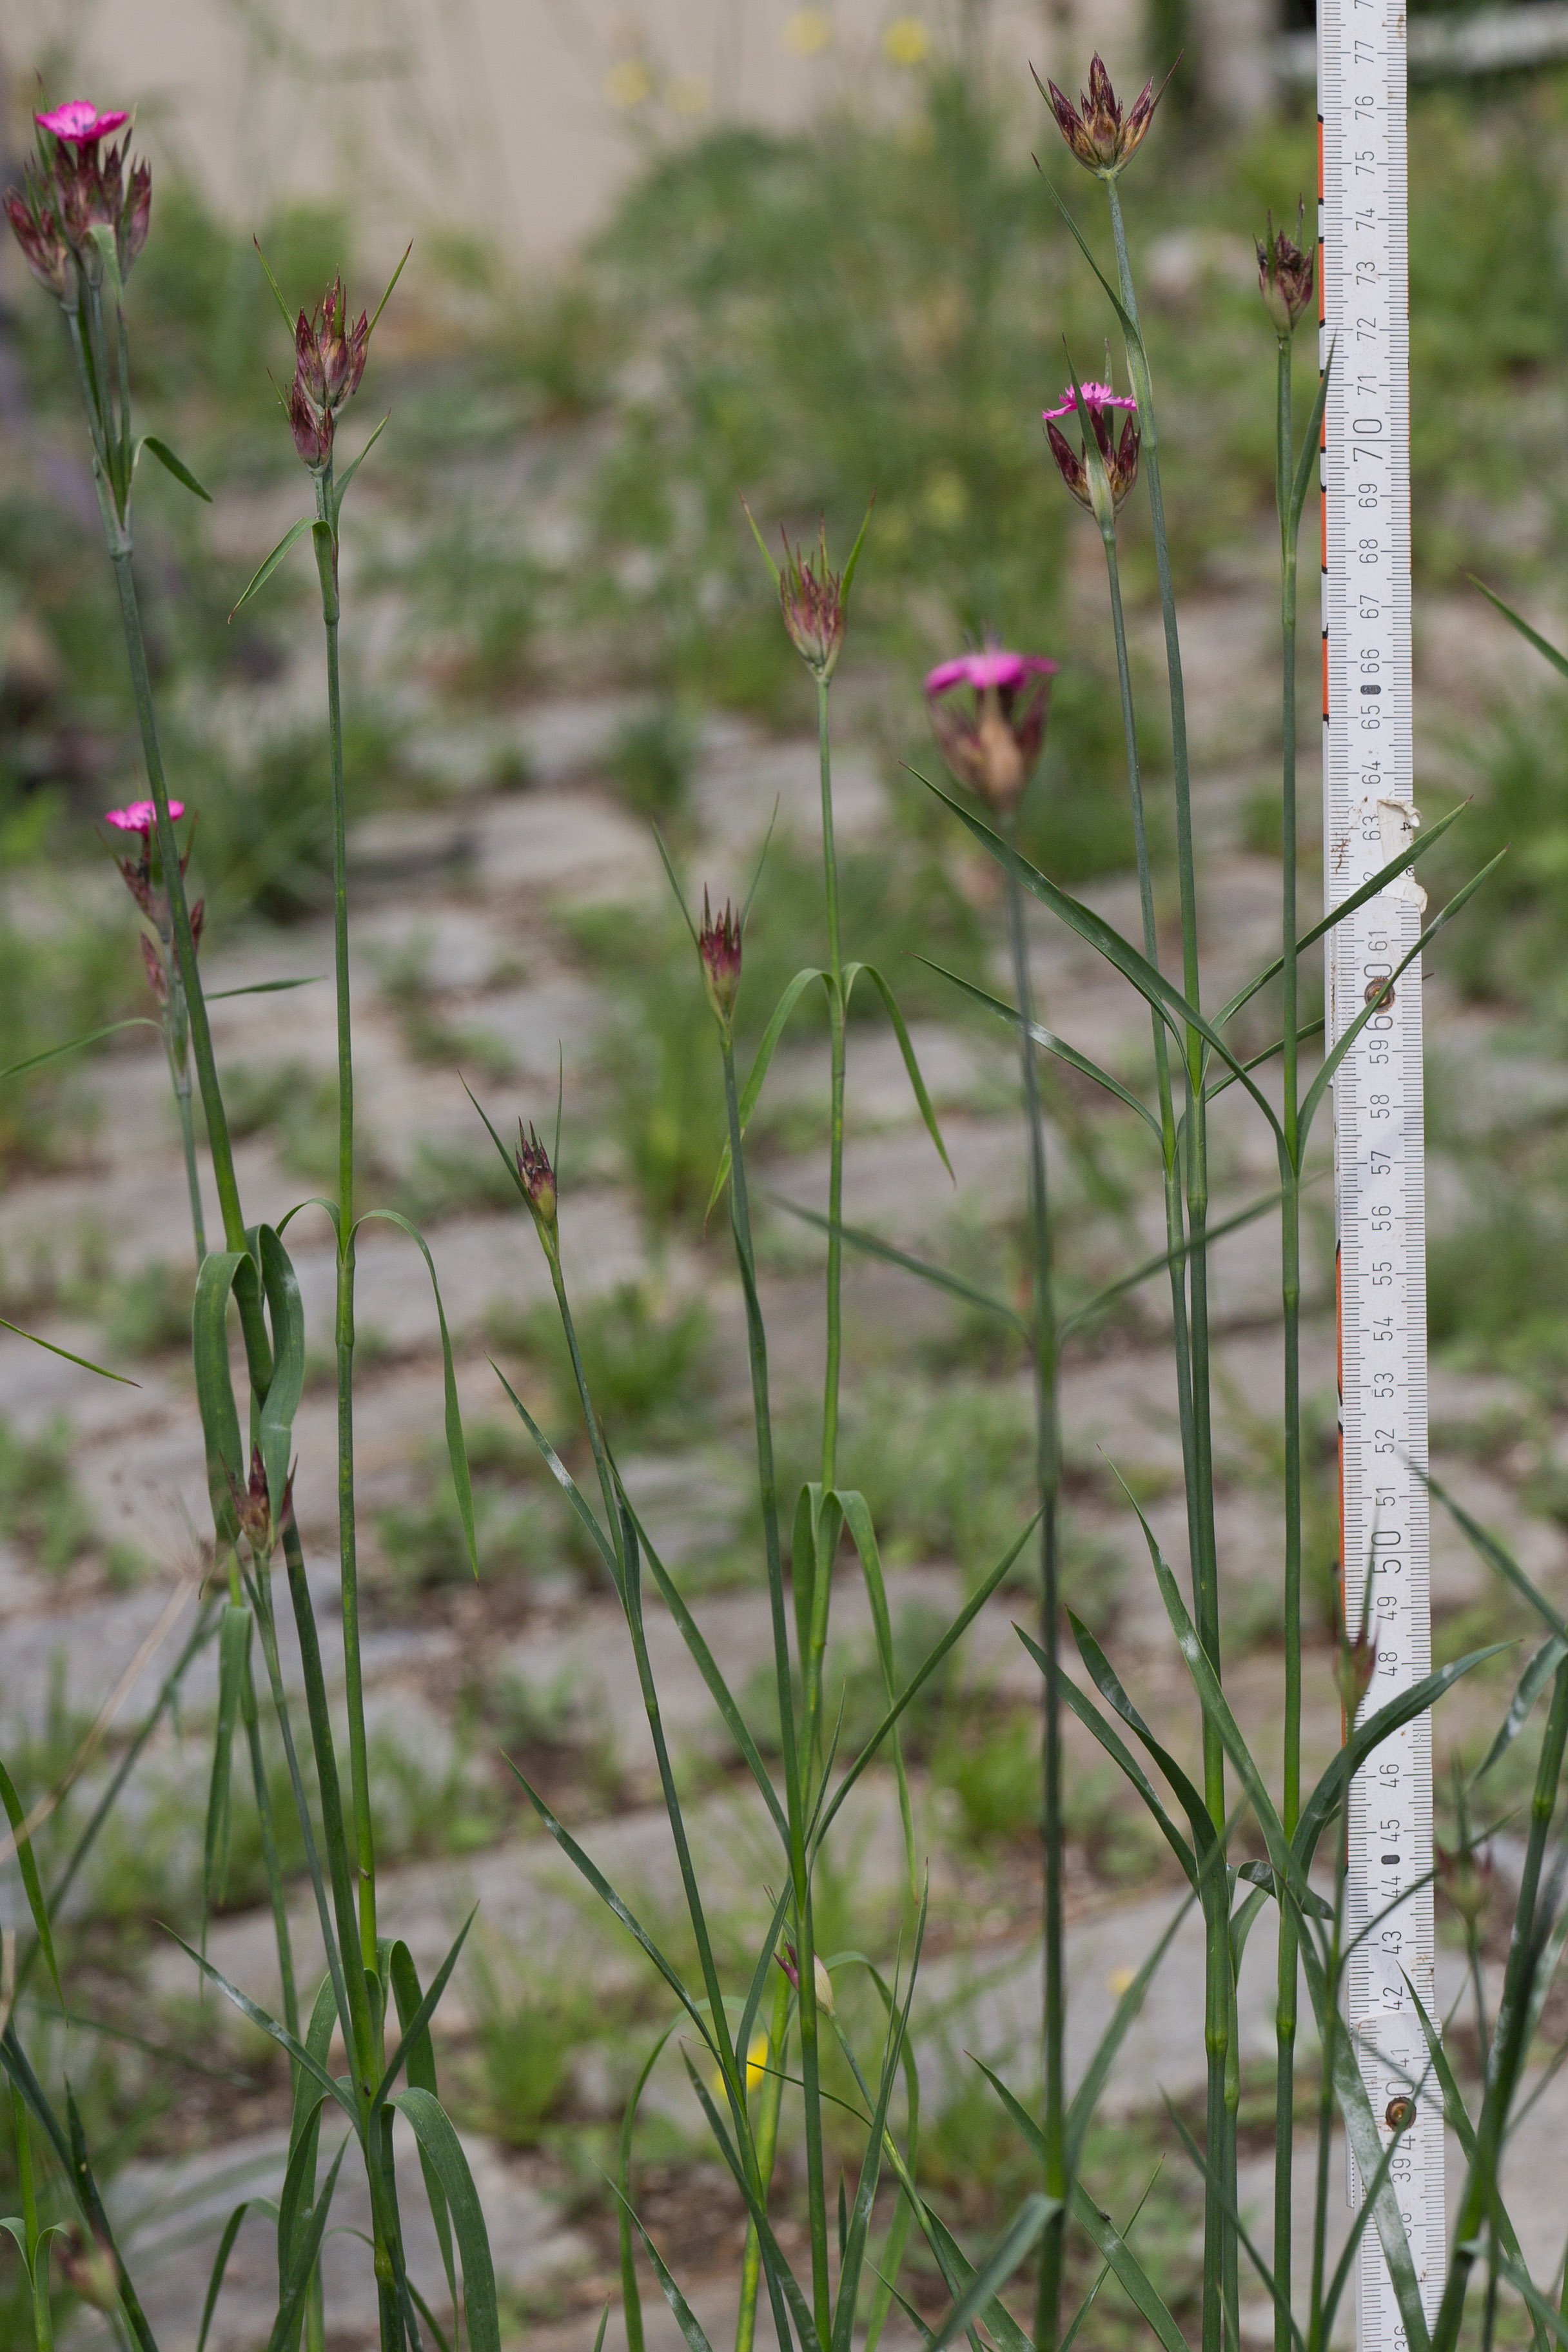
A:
{"x": 225, "y": 1456}
{"x": 75, "y": 1045}
{"x": 1533, "y": 1682}
{"x": 234, "y": 1653}
{"x": 1108, "y": 1684}
{"x": 417, "y": 2029}
{"x": 1050, "y": 1043}
{"x": 921, "y": 1675}
{"x": 26, "y": 1863}
{"x": 1150, "y": 982}
{"x": 456, "y": 1450}
{"x": 1153, "y": 1266}
{"x": 686, "y": 2319}
{"x": 1496, "y": 1553}
{"x": 1343, "y": 1044}
{"x": 1308, "y": 458}
{"x": 419, "y": 2062}
{"x": 559, "y": 1473}
{"x": 268, "y": 2025}
{"x": 387, "y": 295}
{"x": 285, "y": 1311}
{"x": 285, "y": 2327}
{"x": 762, "y": 542}
{"x": 1216, "y": 2188}
{"x": 1116, "y": 1747}
{"x": 340, "y": 486}
{"x": 1532, "y": 636}
{"x": 277, "y": 290}
{"x": 863, "y": 1536}
{"x": 259, "y": 987}
{"x": 1086, "y": 2098}
{"x": 90, "y": 2200}
{"x": 777, "y": 1022}
{"x": 264, "y": 572}
{"x": 847, "y": 582}
{"x": 1009, "y": 2250}
{"x": 434, "y": 2131}
{"x": 1366, "y": 2146}
{"x": 875, "y": 1247}
{"x": 102, "y": 236}
{"x": 1427, "y": 838}
{"x": 631, "y": 2294}
{"x": 912, "y": 1064}
{"x": 958, "y": 2274}
{"x": 170, "y": 465}
{"x": 85, "y": 1361}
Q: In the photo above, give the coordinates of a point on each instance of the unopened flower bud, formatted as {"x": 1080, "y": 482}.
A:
{"x": 811, "y": 600}
{"x": 1094, "y": 129}
{"x": 789, "y": 1961}
{"x": 89, "y": 2268}
{"x": 342, "y": 347}
{"x": 253, "y": 1508}
{"x": 718, "y": 944}
{"x": 1118, "y": 454}
{"x": 538, "y": 1180}
{"x": 988, "y": 712}
{"x": 309, "y": 373}
{"x": 1465, "y": 1878}
{"x": 157, "y": 978}
{"x": 1353, "y": 1670}
{"x": 135, "y": 219}
{"x": 312, "y": 427}
{"x": 37, "y": 231}
{"x": 1284, "y": 276}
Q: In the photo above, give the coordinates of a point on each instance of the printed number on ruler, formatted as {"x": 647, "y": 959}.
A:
{"x": 1379, "y": 1172}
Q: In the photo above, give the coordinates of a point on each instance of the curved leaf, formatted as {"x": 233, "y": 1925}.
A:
{"x": 906, "y": 1048}
{"x": 86, "y": 1363}
{"x": 456, "y": 1450}
{"x": 264, "y": 571}
{"x": 875, "y": 1247}
{"x": 433, "y": 2129}
{"x": 170, "y": 465}
{"x": 1051, "y": 1044}
{"x": 777, "y": 1019}
{"x": 26, "y": 1863}
{"x": 863, "y": 1536}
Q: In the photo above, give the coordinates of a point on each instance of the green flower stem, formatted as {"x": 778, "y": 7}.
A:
{"x": 1048, "y": 1471}
{"x": 326, "y": 545}
{"x": 269, "y": 1854}
{"x": 822, "y": 1569}
{"x": 37, "y": 2256}
{"x": 1219, "y": 2250}
{"x": 770, "y": 2098}
{"x": 1287, "y": 1992}
{"x": 1331, "y": 2030}
{"x": 794, "y": 1784}
{"x": 177, "y": 1044}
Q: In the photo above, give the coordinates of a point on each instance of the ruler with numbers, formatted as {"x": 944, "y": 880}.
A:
{"x": 1378, "y": 1164}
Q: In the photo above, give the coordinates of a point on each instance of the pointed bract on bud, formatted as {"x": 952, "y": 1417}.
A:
{"x": 789, "y": 1961}
{"x": 538, "y": 1180}
{"x": 992, "y": 742}
{"x": 253, "y": 1508}
{"x": 1284, "y": 276}
{"x": 1118, "y": 454}
{"x": 811, "y": 600}
{"x": 311, "y": 426}
{"x": 89, "y": 2268}
{"x": 1095, "y": 130}
{"x": 135, "y": 219}
{"x": 1465, "y": 1878}
{"x": 308, "y": 372}
{"x": 36, "y": 229}
{"x": 1354, "y": 1669}
{"x": 157, "y": 978}
{"x": 719, "y": 945}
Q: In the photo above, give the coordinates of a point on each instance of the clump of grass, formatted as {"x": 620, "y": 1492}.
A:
{"x": 647, "y": 1357}
{"x": 651, "y": 763}
{"x": 42, "y": 1508}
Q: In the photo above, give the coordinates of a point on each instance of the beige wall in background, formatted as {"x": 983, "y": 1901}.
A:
{"x": 519, "y": 117}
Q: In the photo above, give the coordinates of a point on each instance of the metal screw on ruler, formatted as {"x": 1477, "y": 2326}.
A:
{"x": 1379, "y": 1172}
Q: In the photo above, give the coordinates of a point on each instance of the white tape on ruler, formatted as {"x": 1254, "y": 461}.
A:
{"x": 1380, "y": 1177}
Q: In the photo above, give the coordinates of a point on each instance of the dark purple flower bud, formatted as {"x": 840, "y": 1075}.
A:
{"x": 811, "y": 599}
{"x": 1284, "y": 276}
{"x": 1117, "y": 455}
{"x": 718, "y": 944}
{"x": 1094, "y": 129}
{"x": 988, "y": 711}
{"x": 157, "y": 978}
{"x": 342, "y": 347}
{"x": 311, "y": 428}
{"x": 253, "y": 1508}
{"x": 37, "y": 230}
{"x": 134, "y": 219}
{"x": 308, "y": 370}
{"x": 538, "y": 1180}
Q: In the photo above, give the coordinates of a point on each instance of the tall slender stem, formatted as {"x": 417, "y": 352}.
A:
{"x": 821, "y": 1567}
{"x": 795, "y": 1765}
{"x": 770, "y": 2100}
{"x": 1286, "y": 1991}
{"x": 1220, "y": 2239}
{"x": 1048, "y": 1471}
{"x": 326, "y": 545}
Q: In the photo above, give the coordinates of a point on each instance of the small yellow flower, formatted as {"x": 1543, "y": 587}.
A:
{"x": 756, "y": 2059}
{"x": 906, "y": 41}
{"x": 689, "y": 94}
{"x": 1118, "y": 1980}
{"x": 628, "y": 84}
{"x": 807, "y": 31}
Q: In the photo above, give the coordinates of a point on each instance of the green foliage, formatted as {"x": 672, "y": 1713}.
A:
{"x": 1507, "y": 949}
{"x": 651, "y": 763}
{"x": 42, "y": 1509}
{"x": 647, "y": 1356}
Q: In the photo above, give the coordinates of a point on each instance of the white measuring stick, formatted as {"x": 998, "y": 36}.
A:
{"x": 1378, "y": 1152}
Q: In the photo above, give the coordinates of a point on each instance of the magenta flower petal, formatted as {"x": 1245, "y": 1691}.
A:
{"x": 140, "y": 816}
{"x": 993, "y": 668}
{"x": 80, "y": 122}
{"x": 1096, "y": 397}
